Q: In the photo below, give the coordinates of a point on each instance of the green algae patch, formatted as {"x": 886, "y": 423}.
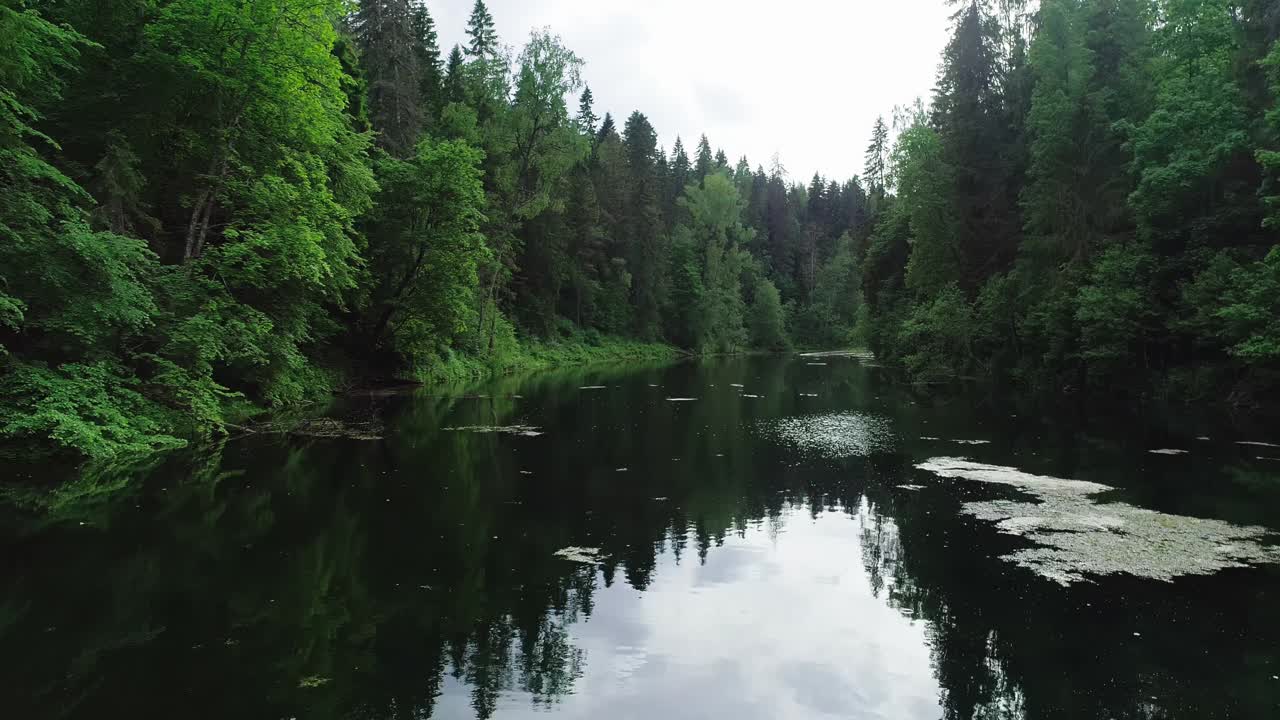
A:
{"x": 1077, "y": 537}
{"x": 585, "y": 555}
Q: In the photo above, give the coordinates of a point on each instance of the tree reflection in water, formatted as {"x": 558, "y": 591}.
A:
{"x": 329, "y": 578}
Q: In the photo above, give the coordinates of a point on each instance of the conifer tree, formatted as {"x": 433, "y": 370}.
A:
{"x": 586, "y": 115}
{"x": 877, "y": 157}
{"x": 455, "y": 85}
{"x": 430, "y": 64}
{"x": 703, "y": 165}
{"x": 389, "y": 33}
{"x": 483, "y": 43}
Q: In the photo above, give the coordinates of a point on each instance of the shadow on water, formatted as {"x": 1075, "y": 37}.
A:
{"x": 417, "y": 575}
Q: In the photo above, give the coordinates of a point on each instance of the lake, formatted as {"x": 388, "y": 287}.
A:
{"x": 745, "y": 538}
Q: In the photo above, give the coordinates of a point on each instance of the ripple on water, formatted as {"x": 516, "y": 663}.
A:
{"x": 1077, "y": 536}
{"x": 832, "y": 435}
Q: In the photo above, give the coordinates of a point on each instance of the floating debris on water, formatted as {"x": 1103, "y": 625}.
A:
{"x": 930, "y": 438}
{"x": 735, "y": 385}
{"x": 672, "y": 399}
{"x": 910, "y": 487}
{"x": 1078, "y": 536}
{"x": 972, "y": 442}
{"x": 660, "y": 499}
{"x": 1168, "y": 451}
{"x": 593, "y": 387}
{"x": 1203, "y": 437}
{"x": 587, "y": 555}
{"x": 832, "y": 435}
{"x": 816, "y": 364}
{"x": 1255, "y": 443}
{"x": 334, "y": 428}
{"x": 313, "y": 681}
{"x": 526, "y": 472}
{"x": 755, "y": 397}
{"x": 808, "y": 394}
{"x": 522, "y": 430}
{"x": 855, "y": 354}
{"x": 620, "y": 470}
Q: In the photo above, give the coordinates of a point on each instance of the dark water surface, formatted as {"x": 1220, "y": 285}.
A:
{"x": 757, "y": 558}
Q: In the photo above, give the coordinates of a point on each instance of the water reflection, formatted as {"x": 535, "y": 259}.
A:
{"x": 417, "y": 577}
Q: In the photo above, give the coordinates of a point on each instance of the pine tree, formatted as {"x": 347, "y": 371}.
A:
{"x": 484, "y": 39}
{"x": 722, "y": 160}
{"x": 586, "y": 115}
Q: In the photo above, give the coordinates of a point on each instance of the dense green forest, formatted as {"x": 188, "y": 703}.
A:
{"x": 210, "y": 206}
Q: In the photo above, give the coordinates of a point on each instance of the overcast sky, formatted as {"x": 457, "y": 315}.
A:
{"x": 802, "y": 78}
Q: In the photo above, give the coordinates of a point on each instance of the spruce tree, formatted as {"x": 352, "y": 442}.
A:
{"x": 388, "y": 35}
{"x": 703, "y": 165}
{"x": 586, "y": 115}
{"x": 646, "y": 239}
{"x": 455, "y": 85}
{"x": 607, "y": 128}
{"x": 877, "y": 157}
{"x": 431, "y": 78}
{"x": 484, "y": 39}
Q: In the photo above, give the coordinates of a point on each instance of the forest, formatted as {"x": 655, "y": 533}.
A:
{"x": 211, "y": 207}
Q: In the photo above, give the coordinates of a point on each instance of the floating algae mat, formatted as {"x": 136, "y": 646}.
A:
{"x": 585, "y": 555}
{"x": 1077, "y": 536}
{"x": 832, "y": 435}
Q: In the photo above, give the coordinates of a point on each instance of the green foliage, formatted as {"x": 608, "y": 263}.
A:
{"x": 1115, "y": 310}
{"x": 1239, "y": 305}
{"x": 1269, "y": 156}
{"x": 94, "y": 408}
{"x": 424, "y": 249}
{"x": 938, "y": 336}
{"x": 1199, "y": 124}
{"x": 714, "y": 238}
{"x": 767, "y": 320}
{"x": 923, "y": 180}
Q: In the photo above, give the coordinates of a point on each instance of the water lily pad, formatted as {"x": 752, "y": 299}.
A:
{"x": 1076, "y": 536}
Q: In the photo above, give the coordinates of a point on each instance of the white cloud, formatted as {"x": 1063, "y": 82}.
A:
{"x": 803, "y": 78}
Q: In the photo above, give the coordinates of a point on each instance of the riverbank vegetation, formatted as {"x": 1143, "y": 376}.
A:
{"x": 1090, "y": 202}
{"x": 214, "y": 206}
